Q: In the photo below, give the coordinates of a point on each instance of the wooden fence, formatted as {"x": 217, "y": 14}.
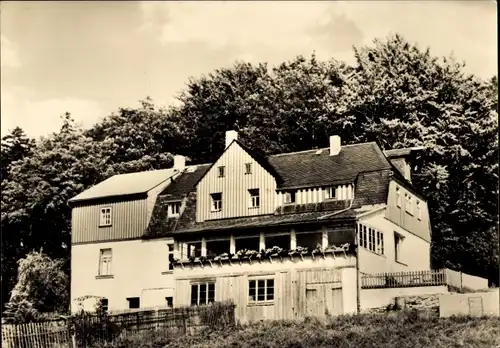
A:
{"x": 403, "y": 279}
{"x": 52, "y": 334}
{"x": 90, "y": 330}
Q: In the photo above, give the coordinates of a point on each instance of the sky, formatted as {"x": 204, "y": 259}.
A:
{"x": 90, "y": 58}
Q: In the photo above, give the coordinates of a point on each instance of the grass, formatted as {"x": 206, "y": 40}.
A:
{"x": 396, "y": 330}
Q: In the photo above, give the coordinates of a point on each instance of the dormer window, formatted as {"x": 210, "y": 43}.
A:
{"x": 254, "y": 198}
{"x": 248, "y": 168}
{"x": 330, "y": 192}
{"x": 105, "y": 217}
{"x": 174, "y": 209}
{"x": 289, "y": 197}
{"x": 216, "y": 201}
{"x": 221, "y": 171}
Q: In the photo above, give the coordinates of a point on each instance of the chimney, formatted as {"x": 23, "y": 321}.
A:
{"x": 334, "y": 145}
{"x": 179, "y": 162}
{"x": 230, "y": 136}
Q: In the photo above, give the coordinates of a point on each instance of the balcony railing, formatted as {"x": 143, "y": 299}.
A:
{"x": 404, "y": 279}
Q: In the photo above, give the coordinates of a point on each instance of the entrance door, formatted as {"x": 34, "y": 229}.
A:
{"x": 315, "y": 300}
{"x": 323, "y": 298}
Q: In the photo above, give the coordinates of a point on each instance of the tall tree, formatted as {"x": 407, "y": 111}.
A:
{"x": 136, "y": 139}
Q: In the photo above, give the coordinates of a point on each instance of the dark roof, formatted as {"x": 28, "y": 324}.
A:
{"x": 265, "y": 220}
{"x": 310, "y": 168}
{"x": 185, "y": 182}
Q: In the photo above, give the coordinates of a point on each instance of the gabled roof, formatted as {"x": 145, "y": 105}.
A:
{"x": 257, "y": 157}
{"x": 317, "y": 168}
{"x": 126, "y": 184}
{"x": 185, "y": 183}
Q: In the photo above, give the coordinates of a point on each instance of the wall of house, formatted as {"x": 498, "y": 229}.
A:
{"x": 414, "y": 251}
{"x": 331, "y": 280}
{"x": 234, "y": 187}
{"x": 401, "y": 217}
{"x": 377, "y": 298}
{"x": 137, "y": 268}
{"x": 129, "y": 219}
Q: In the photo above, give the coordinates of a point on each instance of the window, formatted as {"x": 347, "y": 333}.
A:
{"x": 371, "y": 239}
{"x": 105, "y": 217}
{"x": 398, "y": 197}
{"x": 217, "y": 247}
{"x": 248, "y": 168}
{"x": 133, "y": 302}
{"x": 282, "y": 241}
{"x": 379, "y": 249}
{"x": 254, "y": 198}
{"x": 190, "y": 249}
{"x": 221, "y": 171}
{"x": 170, "y": 256}
{"x": 103, "y": 302}
{"x": 203, "y": 293}
{"x": 409, "y": 207}
{"x": 419, "y": 210}
{"x": 330, "y": 193}
{"x": 105, "y": 262}
{"x": 309, "y": 240}
{"x": 170, "y": 301}
{"x": 216, "y": 202}
{"x": 398, "y": 239}
{"x": 174, "y": 209}
{"x": 249, "y": 243}
{"x": 261, "y": 290}
{"x": 289, "y": 197}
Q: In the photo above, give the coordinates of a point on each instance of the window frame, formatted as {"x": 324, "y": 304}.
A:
{"x": 419, "y": 209}
{"x": 104, "y": 307}
{"x": 328, "y": 193}
{"x": 266, "y": 287}
{"x": 105, "y": 218}
{"x": 370, "y": 238}
{"x": 171, "y": 256}
{"x": 198, "y": 292}
{"x": 248, "y": 168}
{"x": 170, "y": 301}
{"x": 289, "y": 194}
{"x": 221, "y": 171}
{"x": 109, "y": 262}
{"x": 171, "y": 206}
{"x": 397, "y": 247}
{"x": 254, "y": 198}
{"x": 408, "y": 203}
{"x": 213, "y": 205}
{"x": 130, "y": 299}
{"x": 398, "y": 196}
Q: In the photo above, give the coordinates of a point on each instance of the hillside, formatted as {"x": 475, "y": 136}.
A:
{"x": 398, "y": 330}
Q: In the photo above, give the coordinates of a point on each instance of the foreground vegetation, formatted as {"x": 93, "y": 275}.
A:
{"x": 402, "y": 329}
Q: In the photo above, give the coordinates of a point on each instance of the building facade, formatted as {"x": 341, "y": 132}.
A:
{"x": 283, "y": 236}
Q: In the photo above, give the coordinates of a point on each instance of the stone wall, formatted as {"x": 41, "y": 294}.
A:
{"x": 427, "y": 303}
